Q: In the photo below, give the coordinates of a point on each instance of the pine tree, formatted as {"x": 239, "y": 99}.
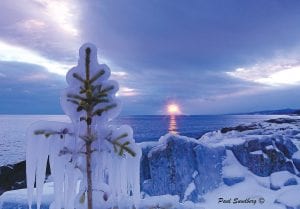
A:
{"x": 90, "y": 103}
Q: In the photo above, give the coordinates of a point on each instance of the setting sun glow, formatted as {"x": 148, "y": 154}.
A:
{"x": 173, "y": 109}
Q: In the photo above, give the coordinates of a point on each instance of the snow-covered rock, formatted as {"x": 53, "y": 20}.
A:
{"x": 179, "y": 165}
{"x": 182, "y": 166}
{"x": 264, "y": 147}
{"x": 171, "y": 164}
{"x": 296, "y": 159}
{"x": 282, "y": 178}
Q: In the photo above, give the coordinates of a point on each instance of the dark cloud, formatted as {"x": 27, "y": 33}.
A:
{"x": 172, "y": 51}
{"x": 191, "y": 36}
{"x": 29, "y": 89}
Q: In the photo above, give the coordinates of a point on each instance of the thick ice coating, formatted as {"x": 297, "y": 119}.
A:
{"x": 88, "y": 150}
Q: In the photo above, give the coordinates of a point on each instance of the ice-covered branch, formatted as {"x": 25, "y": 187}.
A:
{"x": 122, "y": 146}
{"x": 48, "y": 133}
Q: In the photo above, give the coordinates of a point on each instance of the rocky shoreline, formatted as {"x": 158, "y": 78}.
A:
{"x": 194, "y": 168}
{"x": 13, "y": 177}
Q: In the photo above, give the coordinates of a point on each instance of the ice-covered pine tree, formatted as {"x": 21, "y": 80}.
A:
{"x": 93, "y": 163}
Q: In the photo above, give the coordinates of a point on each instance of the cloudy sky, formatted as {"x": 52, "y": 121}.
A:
{"x": 208, "y": 56}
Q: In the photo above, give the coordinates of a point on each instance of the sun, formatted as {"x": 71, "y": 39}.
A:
{"x": 173, "y": 109}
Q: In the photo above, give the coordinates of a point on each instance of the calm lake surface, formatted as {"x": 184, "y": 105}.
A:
{"x": 146, "y": 128}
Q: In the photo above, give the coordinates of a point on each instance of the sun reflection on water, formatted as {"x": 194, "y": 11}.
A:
{"x": 173, "y": 125}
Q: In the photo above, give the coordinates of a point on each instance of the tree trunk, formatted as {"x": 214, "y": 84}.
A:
{"x": 89, "y": 176}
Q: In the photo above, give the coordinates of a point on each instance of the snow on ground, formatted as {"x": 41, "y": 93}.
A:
{"x": 290, "y": 197}
{"x": 253, "y": 192}
{"x": 248, "y": 192}
{"x": 17, "y": 199}
{"x": 282, "y": 178}
{"x": 231, "y": 167}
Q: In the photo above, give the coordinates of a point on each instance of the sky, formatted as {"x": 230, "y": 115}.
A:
{"x": 207, "y": 56}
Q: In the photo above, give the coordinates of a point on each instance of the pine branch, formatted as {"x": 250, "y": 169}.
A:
{"x": 75, "y": 96}
{"x": 97, "y": 87}
{"x": 78, "y": 77}
{"x": 109, "y": 107}
{"x": 98, "y": 101}
{"x": 121, "y": 137}
{"x": 88, "y": 139}
{"x": 64, "y": 151}
{"x": 79, "y": 108}
{"x": 48, "y": 133}
{"x": 97, "y": 75}
{"x": 100, "y": 111}
{"x": 73, "y": 101}
{"x": 82, "y": 90}
{"x": 101, "y": 95}
{"x": 107, "y": 89}
{"x": 122, "y": 146}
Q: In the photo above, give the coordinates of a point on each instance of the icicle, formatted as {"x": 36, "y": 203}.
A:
{"x": 135, "y": 176}
{"x": 57, "y": 164}
{"x": 43, "y": 151}
{"x": 31, "y": 164}
{"x": 124, "y": 177}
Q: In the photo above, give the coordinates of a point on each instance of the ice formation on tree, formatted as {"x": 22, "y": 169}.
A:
{"x": 93, "y": 164}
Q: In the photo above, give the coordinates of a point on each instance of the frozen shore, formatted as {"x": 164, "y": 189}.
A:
{"x": 254, "y": 164}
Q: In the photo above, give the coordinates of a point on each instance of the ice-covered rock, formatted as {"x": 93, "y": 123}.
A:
{"x": 182, "y": 166}
{"x": 263, "y": 157}
{"x": 296, "y": 159}
{"x": 286, "y": 146}
{"x": 209, "y": 167}
{"x": 263, "y": 147}
{"x": 229, "y": 181}
{"x": 145, "y": 168}
{"x": 171, "y": 164}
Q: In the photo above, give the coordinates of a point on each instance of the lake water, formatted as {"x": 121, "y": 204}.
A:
{"x": 146, "y": 128}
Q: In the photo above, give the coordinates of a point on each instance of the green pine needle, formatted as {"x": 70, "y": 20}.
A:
{"x": 107, "y": 89}
{"x": 75, "y": 96}
{"x": 97, "y": 75}
{"x": 122, "y": 147}
{"x": 78, "y": 77}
